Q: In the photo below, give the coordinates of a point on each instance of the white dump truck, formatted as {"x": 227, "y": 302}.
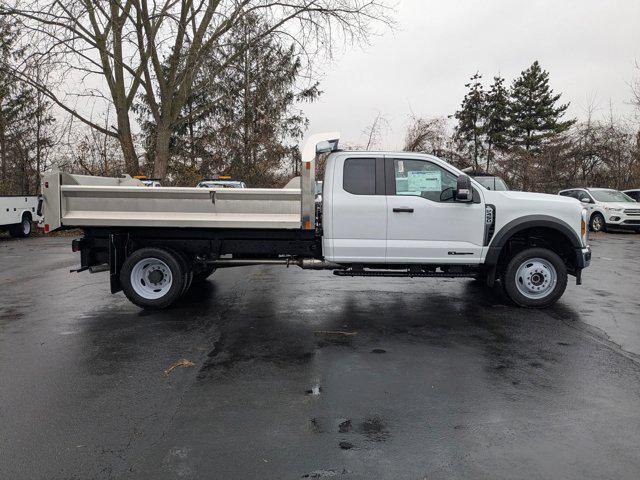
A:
{"x": 17, "y": 214}
{"x": 382, "y": 215}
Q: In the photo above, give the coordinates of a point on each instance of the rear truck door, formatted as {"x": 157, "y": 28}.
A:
{"x": 424, "y": 224}
{"x": 359, "y": 210}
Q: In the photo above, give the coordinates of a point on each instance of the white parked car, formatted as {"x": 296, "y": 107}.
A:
{"x": 17, "y": 214}
{"x": 221, "y": 184}
{"x": 490, "y": 182}
{"x": 151, "y": 183}
{"x": 607, "y": 208}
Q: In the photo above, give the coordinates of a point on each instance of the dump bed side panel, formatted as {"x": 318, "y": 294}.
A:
{"x": 82, "y": 201}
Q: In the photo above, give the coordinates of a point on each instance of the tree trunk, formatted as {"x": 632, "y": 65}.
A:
{"x": 126, "y": 143}
{"x": 3, "y": 148}
{"x": 475, "y": 152}
{"x": 163, "y": 139}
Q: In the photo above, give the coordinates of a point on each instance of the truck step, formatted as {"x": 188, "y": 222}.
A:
{"x": 391, "y": 273}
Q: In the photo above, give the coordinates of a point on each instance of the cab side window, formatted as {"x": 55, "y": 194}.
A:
{"x": 423, "y": 179}
{"x": 359, "y": 176}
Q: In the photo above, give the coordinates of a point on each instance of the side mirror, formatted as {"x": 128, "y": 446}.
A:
{"x": 585, "y": 200}
{"x": 464, "y": 192}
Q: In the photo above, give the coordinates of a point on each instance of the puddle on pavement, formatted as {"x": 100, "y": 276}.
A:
{"x": 374, "y": 428}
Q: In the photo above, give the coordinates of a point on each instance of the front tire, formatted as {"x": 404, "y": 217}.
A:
{"x": 535, "y": 278}
{"x": 152, "y": 278}
{"x": 597, "y": 223}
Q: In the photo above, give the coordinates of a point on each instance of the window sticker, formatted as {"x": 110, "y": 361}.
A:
{"x": 400, "y": 166}
{"x": 424, "y": 181}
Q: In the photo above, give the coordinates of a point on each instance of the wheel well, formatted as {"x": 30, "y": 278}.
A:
{"x": 594, "y": 214}
{"x": 27, "y": 215}
{"x": 545, "y": 237}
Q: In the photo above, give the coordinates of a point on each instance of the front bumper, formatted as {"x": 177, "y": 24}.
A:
{"x": 583, "y": 260}
{"x": 583, "y": 257}
{"x": 630, "y": 218}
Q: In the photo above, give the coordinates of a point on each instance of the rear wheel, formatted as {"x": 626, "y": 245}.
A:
{"x": 152, "y": 277}
{"x": 186, "y": 268}
{"x": 535, "y": 278}
{"x": 203, "y": 274}
{"x": 23, "y": 229}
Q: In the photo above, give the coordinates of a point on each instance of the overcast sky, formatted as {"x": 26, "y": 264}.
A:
{"x": 589, "y": 48}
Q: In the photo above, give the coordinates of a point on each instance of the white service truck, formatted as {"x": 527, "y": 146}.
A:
{"x": 382, "y": 215}
{"x": 17, "y": 214}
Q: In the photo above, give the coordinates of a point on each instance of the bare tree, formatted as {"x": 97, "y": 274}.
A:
{"x": 108, "y": 52}
{"x": 374, "y": 132}
{"x": 635, "y": 89}
{"x": 427, "y": 135}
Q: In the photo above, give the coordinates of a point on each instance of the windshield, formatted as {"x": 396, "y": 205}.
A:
{"x": 492, "y": 183}
{"x": 610, "y": 196}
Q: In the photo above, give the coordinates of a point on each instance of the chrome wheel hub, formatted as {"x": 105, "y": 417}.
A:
{"x": 536, "y": 278}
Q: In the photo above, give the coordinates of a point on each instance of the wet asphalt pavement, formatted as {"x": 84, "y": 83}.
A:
{"x": 428, "y": 379}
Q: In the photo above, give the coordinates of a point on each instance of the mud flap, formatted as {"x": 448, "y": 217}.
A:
{"x": 117, "y": 254}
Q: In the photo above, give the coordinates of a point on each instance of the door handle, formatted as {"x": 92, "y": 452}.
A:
{"x": 403, "y": 209}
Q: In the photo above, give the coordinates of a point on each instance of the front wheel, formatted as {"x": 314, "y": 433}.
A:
{"x": 597, "y": 223}
{"x": 153, "y": 277}
{"x": 535, "y": 278}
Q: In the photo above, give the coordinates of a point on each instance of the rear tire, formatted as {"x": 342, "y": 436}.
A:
{"x": 535, "y": 278}
{"x": 22, "y": 229}
{"x": 152, "y": 278}
{"x": 202, "y": 275}
{"x": 186, "y": 268}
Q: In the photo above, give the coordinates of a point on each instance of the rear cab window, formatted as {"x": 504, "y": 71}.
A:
{"x": 363, "y": 176}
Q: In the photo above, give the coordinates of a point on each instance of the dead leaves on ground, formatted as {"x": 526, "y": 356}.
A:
{"x": 183, "y": 362}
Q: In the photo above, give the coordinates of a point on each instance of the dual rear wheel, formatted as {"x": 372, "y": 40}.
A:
{"x": 156, "y": 277}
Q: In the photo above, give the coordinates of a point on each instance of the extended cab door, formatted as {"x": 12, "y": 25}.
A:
{"x": 357, "y": 216}
{"x": 424, "y": 224}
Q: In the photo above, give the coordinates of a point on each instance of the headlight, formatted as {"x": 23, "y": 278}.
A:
{"x": 611, "y": 209}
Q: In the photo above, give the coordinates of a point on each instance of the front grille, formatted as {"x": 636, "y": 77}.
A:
{"x": 632, "y": 211}
{"x": 632, "y": 222}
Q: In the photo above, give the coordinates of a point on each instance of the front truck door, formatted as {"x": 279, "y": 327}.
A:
{"x": 359, "y": 212}
{"x": 425, "y": 225}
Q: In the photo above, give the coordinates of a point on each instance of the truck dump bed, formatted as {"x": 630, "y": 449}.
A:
{"x": 125, "y": 202}
{"x": 87, "y": 201}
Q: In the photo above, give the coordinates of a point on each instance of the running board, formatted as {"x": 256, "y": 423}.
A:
{"x": 390, "y": 273}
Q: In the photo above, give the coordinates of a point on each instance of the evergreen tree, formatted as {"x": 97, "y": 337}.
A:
{"x": 496, "y": 119}
{"x": 24, "y": 121}
{"x": 534, "y": 114}
{"x": 469, "y": 131}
